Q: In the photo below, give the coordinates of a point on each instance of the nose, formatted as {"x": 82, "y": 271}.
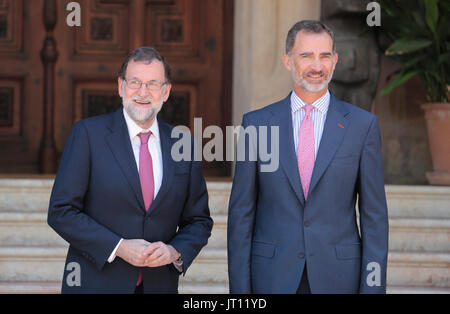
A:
{"x": 316, "y": 65}
{"x": 143, "y": 91}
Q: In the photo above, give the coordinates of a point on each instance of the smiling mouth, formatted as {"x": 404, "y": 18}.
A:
{"x": 315, "y": 76}
{"x": 142, "y": 102}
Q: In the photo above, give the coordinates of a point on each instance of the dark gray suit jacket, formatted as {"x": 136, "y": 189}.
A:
{"x": 97, "y": 199}
{"x": 273, "y": 232}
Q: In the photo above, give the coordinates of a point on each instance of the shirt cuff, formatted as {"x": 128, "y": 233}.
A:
{"x": 178, "y": 264}
{"x": 113, "y": 254}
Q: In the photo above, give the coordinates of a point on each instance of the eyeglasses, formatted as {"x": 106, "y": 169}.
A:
{"x": 151, "y": 85}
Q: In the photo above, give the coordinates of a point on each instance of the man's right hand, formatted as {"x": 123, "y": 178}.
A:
{"x": 132, "y": 251}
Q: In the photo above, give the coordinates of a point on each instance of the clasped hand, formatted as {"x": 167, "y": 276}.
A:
{"x": 141, "y": 253}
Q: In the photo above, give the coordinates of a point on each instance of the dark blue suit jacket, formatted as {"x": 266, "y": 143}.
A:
{"x": 273, "y": 231}
{"x": 97, "y": 199}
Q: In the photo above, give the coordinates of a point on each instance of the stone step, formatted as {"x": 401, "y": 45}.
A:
{"x": 211, "y": 265}
{"x": 416, "y": 290}
{"x": 32, "y": 195}
{"x": 40, "y": 269}
{"x": 34, "y": 264}
{"x": 407, "y": 235}
{"x": 432, "y": 202}
{"x": 32, "y": 255}
{"x": 27, "y": 229}
{"x": 203, "y": 288}
{"x": 31, "y": 229}
{"x": 46, "y": 264}
{"x": 426, "y": 270}
{"x": 38, "y": 287}
{"x": 24, "y": 195}
{"x": 219, "y": 194}
{"x": 218, "y": 237}
{"x": 184, "y": 288}
{"x": 419, "y": 235}
{"x": 406, "y": 201}
{"x": 15, "y": 287}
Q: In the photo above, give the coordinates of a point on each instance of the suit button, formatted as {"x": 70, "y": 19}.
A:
{"x": 307, "y": 223}
{"x": 301, "y": 255}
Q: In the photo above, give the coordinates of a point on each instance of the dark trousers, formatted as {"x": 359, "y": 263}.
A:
{"x": 303, "y": 287}
{"x": 139, "y": 289}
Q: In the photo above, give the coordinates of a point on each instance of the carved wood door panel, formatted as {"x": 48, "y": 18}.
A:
{"x": 195, "y": 36}
{"x": 20, "y": 86}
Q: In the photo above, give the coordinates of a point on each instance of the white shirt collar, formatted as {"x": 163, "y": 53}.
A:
{"x": 134, "y": 129}
{"x": 321, "y": 104}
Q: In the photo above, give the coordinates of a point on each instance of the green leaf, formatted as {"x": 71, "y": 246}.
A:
{"x": 414, "y": 61}
{"x": 445, "y": 5}
{"x": 405, "y": 45}
{"x": 397, "y": 81}
{"x": 432, "y": 14}
{"x": 418, "y": 18}
{"x": 388, "y": 78}
{"x": 435, "y": 76}
{"x": 443, "y": 57}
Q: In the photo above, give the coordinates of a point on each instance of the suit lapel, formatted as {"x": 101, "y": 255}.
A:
{"x": 120, "y": 145}
{"x": 336, "y": 125}
{"x": 288, "y": 157}
{"x": 168, "y": 165}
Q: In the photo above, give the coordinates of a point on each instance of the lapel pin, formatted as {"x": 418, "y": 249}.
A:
{"x": 341, "y": 126}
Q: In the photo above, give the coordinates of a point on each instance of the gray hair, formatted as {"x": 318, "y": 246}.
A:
{"x": 146, "y": 55}
{"x": 309, "y": 26}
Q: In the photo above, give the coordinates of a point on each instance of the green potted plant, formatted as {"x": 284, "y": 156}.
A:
{"x": 416, "y": 33}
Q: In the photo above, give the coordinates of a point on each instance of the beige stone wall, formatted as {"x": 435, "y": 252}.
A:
{"x": 260, "y": 28}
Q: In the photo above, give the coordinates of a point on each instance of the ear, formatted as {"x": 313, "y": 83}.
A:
{"x": 287, "y": 62}
{"x": 167, "y": 92}
{"x": 120, "y": 86}
{"x": 336, "y": 58}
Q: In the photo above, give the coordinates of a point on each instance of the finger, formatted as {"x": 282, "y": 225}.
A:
{"x": 160, "y": 261}
{"x": 161, "y": 253}
{"x": 151, "y": 248}
{"x": 155, "y": 255}
{"x": 140, "y": 259}
{"x": 136, "y": 261}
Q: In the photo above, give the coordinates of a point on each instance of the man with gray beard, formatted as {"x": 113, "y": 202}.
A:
{"x": 135, "y": 219}
{"x": 294, "y": 230}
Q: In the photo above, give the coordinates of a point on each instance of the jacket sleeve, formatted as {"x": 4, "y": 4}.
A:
{"x": 195, "y": 224}
{"x": 241, "y": 216}
{"x": 66, "y": 209}
{"x": 373, "y": 214}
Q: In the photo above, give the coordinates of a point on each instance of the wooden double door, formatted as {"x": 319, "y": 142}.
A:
{"x": 195, "y": 36}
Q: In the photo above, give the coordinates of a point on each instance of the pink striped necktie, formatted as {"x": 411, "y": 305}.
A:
{"x": 146, "y": 177}
{"x": 306, "y": 151}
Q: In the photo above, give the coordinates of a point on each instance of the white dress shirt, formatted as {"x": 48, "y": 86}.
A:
{"x": 154, "y": 147}
{"x": 318, "y": 116}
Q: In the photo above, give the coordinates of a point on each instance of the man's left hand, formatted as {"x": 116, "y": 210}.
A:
{"x": 160, "y": 254}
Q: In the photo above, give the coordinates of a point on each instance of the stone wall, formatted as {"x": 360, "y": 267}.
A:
{"x": 260, "y": 29}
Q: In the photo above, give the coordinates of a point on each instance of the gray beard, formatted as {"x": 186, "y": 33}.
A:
{"x": 312, "y": 88}
{"x": 138, "y": 114}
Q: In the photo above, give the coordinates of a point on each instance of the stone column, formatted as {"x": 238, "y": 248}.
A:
{"x": 260, "y": 29}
